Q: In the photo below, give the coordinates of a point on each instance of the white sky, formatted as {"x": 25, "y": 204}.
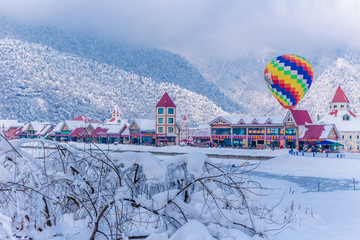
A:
{"x": 222, "y": 28}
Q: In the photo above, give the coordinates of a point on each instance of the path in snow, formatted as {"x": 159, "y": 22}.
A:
{"x": 312, "y": 184}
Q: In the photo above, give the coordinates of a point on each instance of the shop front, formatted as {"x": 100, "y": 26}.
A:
{"x": 148, "y": 138}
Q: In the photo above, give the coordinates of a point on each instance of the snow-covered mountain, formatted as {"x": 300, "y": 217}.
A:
{"x": 159, "y": 65}
{"x": 41, "y": 83}
{"x": 343, "y": 71}
{"x": 51, "y": 74}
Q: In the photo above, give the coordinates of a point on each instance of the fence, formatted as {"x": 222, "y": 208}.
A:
{"x": 317, "y": 154}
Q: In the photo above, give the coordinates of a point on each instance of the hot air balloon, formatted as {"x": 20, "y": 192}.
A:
{"x": 288, "y": 78}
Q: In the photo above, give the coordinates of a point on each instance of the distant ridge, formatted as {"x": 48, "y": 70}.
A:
{"x": 159, "y": 65}
{"x": 42, "y": 83}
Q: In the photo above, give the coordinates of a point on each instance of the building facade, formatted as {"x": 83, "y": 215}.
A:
{"x": 347, "y": 122}
{"x": 259, "y": 132}
{"x": 167, "y": 129}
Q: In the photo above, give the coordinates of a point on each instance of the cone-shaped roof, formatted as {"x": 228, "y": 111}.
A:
{"x": 184, "y": 118}
{"x": 165, "y": 101}
{"x": 340, "y": 96}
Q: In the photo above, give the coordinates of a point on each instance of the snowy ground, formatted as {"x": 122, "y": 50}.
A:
{"x": 319, "y": 186}
{"x": 336, "y": 208}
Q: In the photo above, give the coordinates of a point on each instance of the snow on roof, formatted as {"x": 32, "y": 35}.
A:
{"x": 316, "y": 131}
{"x": 58, "y": 127}
{"x": 202, "y": 126}
{"x": 46, "y": 129}
{"x": 114, "y": 121}
{"x": 145, "y": 124}
{"x": 126, "y": 132}
{"x": 202, "y": 133}
{"x": 6, "y": 124}
{"x": 78, "y": 132}
{"x": 85, "y": 119}
{"x": 301, "y": 117}
{"x": 99, "y": 130}
{"x": 165, "y": 101}
{"x": 340, "y": 96}
{"x": 251, "y": 120}
{"x": 337, "y": 117}
{"x": 39, "y": 126}
{"x": 115, "y": 128}
{"x": 18, "y": 131}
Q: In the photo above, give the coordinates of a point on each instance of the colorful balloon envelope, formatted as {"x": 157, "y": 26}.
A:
{"x": 288, "y": 78}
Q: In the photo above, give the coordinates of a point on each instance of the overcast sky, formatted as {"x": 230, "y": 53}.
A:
{"x": 222, "y": 28}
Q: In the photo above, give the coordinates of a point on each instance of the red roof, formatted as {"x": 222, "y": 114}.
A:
{"x": 78, "y": 132}
{"x": 11, "y": 133}
{"x": 340, "y": 96}
{"x": 301, "y": 117}
{"x": 313, "y": 131}
{"x": 116, "y": 111}
{"x": 84, "y": 118}
{"x": 18, "y": 131}
{"x": 335, "y": 112}
{"x": 165, "y": 101}
{"x": 184, "y": 118}
{"x": 352, "y": 114}
{"x": 98, "y": 131}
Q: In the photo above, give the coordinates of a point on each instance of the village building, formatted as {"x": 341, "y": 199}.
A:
{"x": 259, "y": 132}
{"x": 184, "y": 133}
{"x": 202, "y": 136}
{"x": 116, "y": 117}
{"x": 35, "y": 130}
{"x": 320, "y": 134}
{"x": 347, "y": 122}
{"x": 167, "y": 129}
{"x": 10, "y": 127}
{"x": 142, "y": 131}
{"x": 79, "y": 128}
{"x": 110, "y": 133}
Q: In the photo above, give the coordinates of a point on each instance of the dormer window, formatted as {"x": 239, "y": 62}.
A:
{"x": 346, "y": 117}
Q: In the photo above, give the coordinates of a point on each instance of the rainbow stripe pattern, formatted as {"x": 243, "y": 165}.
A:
{"x": 288, "y": 78}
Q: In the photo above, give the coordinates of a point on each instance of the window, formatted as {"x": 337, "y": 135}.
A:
{"x": 275, "y": 131}
{"x": 342, "y": 136}
{"x": 160, "y": 110}
{"x": 256, "y": 131}
{"x": 170, "y": 120}
{"x": 335, "y": 106}
{"x": 170, "y": 129}
{"x": 357, "y": 136}
{"x": 346, "y": 117}
{"x": 160, "y": 120}
{"x": 239, "y": 131}
{"x": 350, "y": 137}
{"x": 160, "y": 129}
{"x": 170, "y": 110}
{"x": 342, "y": 106}
{"x": 221, "y": 131}
{"x": 290, "y": 131}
